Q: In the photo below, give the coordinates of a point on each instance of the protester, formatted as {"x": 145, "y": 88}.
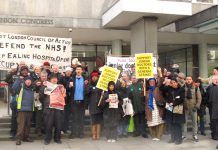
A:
{"x": 53, "y": 108}
{"x": 39, "y": 104}
{"x": 212, "y": 92}
{"x": 124, "y": 121}
{"x": 78, "y": 90}
{"x": 191, "y": 105}
{"x": 174, "y": 101}
{"x": 154, "y": 108}
{"x": 10, "y": 78}
{"x": 202, "y": 110}
{"x": 209, "y": 80}
{"x": 46, "y": 67}
{"x": 55, "y": 71}
{"x": 36, "y": 73}
{"x": 136, "y": 94}
{"x": 94, "y": 95}
{"x": 65, "y": 80}
{"x": 25, "y": 107}
{"x": 111, "y": 113}
{"x": 126, "y": 78}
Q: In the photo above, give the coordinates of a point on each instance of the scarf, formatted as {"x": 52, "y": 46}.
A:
{"x": 150, "y": 95}
{"x": 189, "y": 92}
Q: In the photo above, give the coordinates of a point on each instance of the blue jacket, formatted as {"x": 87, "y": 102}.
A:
{"x": 28, "y": 95}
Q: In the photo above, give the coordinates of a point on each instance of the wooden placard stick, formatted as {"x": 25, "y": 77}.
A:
{"x": 144, "y": 86}
{"x": 102, "y": 94}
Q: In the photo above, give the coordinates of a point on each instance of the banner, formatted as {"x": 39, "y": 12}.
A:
{"x": 108, "y": 74}
{"x": 34, "y": 50}
{"x": 144, "y": 65}
{"x": 126, "y": 62}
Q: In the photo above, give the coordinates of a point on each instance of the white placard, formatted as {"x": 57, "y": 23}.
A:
{"x": 34, "y": 50}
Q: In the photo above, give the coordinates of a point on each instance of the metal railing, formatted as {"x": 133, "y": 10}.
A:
{"x": 5, "y": 94}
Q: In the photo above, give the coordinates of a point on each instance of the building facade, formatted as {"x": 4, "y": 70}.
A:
{"x": 170, "y": 29}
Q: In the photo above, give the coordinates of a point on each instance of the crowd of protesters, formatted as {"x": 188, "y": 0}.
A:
{"x": 164, "y": 102}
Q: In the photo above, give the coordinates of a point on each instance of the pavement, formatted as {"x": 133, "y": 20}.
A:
{"x": 129, "y": 143}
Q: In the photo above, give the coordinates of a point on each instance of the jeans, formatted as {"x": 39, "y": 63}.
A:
{"x": 193, "y": 114}
{"x": 122, "y": 128}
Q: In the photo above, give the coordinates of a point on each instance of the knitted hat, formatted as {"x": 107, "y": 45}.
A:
{"x": 46, "y": 63}
{"x": 94, "y": 73}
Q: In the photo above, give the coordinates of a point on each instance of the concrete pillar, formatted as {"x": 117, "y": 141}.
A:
{"x": 203, "y": 62}
{"x": 116, "y": 47}
{"x": 144, "y": 36}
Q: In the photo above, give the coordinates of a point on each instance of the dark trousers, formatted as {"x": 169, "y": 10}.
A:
{"x": 67, "y": 112}
{"x": 202, "y": 124}
{"x": 39, "y": 119}
{"x": 53, "y": 118}
{"x": 176, "y": 132}
{"x": 140, "y": 124}
{"x": 78, "y": 113}
{"x": 13, "y": 130}
{"x": 23, "y": 124}
{"x": 214, "y": 129}
{"x": 111, "y": 132}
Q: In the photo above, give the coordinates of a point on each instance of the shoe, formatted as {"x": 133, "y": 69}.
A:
{"x": 145, "y": 136}
{"x": 136, "y": 135}
{"x": 28, "y": 139}
{"x": 46, "y": 142}
{"x": 125, "y": 136}
{"x": 195, "y": 138}
{"x": 81, "y": 136}
{"x": 156, "y": 139}
{"x": 217, "y": 146}
{"x": 178, "y": 143}
{"x": 109, "y": 140}
{"x": 58, "y": 141}
{"x": 170, "y": 141}
{"x": 71, "y": 136}
{"x": 202, "y": 133}
{"x": 183, "y": 138}
{"x": 113, "y": 141}
{"x": 18, "y": 142}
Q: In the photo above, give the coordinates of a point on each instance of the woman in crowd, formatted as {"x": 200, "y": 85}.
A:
{"x": 124, "y": 121}
{"x": 175, "y": 115}
{"x": 202, "y": 110}
{"x": 154, "y": 108}
{"x": 53, "y": 108}
{"x": 111, "y": 114}
{"x": 94, "y": 96}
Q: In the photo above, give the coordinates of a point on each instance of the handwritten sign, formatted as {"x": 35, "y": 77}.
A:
{"x": 144, "y": 65}
{"x": 108, "y": 74}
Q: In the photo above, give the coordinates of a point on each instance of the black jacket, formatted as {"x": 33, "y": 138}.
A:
{"x": 212, "y": 93}
{"x": 175, "y": 96}
{"x": 94, "y": 95}
{"x": 111, "y": 115}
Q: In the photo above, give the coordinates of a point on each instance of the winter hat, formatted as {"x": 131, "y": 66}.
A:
{"x": 28, "y": 78}
{"x": 46, "y": 63}
{"x": 94, "y": 73}
{"x": 68, "y": 69}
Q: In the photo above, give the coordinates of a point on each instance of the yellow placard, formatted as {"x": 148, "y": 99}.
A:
{"x": 108, "y": 74}
{"x": 144, "y": 66}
